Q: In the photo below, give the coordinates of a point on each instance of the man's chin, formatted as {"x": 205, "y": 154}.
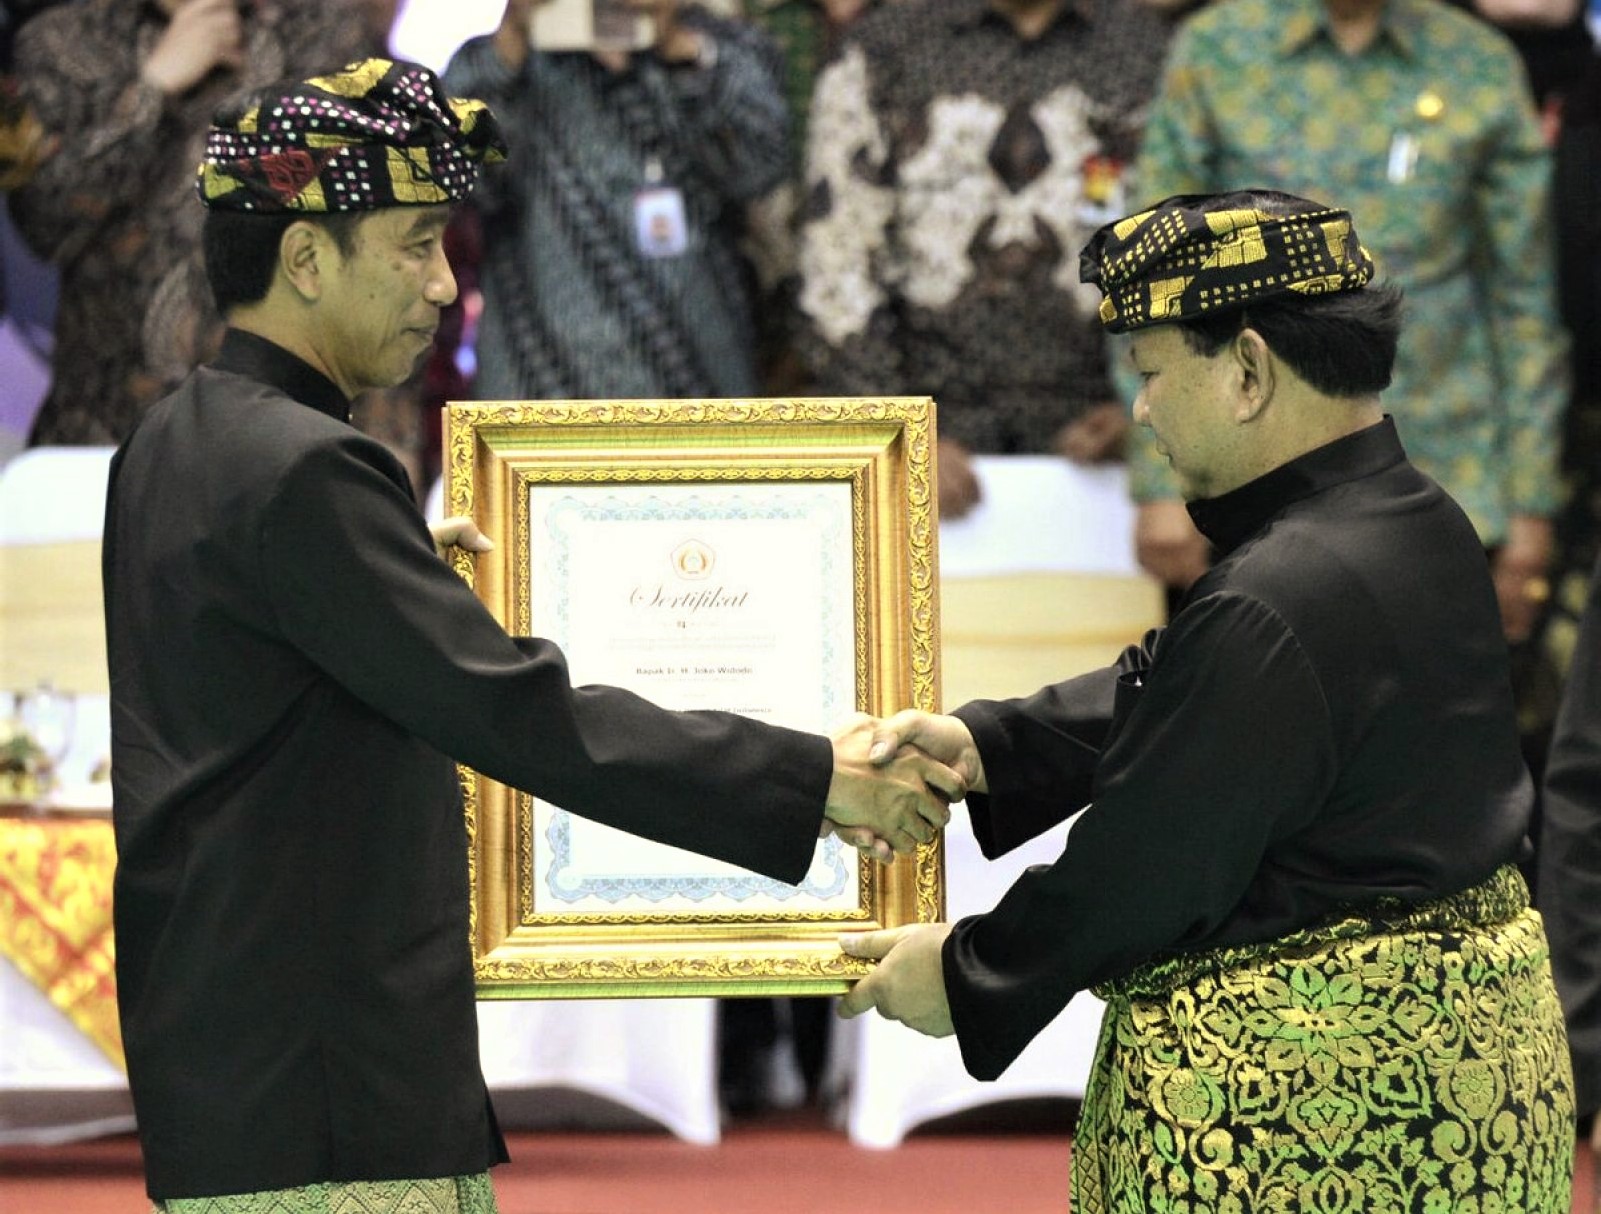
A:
{"x": 417, "y": 364}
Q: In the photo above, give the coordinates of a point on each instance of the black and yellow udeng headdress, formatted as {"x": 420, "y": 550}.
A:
{"x": 1177, "y": 261}
{"x": 378, "y": 133}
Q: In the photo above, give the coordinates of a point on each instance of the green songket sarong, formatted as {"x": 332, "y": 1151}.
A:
{"x": 448, "y": 1195}
{"x": 1408, "y": 1063}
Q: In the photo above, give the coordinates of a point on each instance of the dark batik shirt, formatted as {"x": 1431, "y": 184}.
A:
{"x": 1327, "y": 722}
{"x": 114, "y": 209}
{"x": 293, "y": 670}
{"x": 572, "y": 308}
{"x": 954, "y": 170}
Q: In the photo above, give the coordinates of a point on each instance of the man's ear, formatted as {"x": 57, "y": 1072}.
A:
{"x": 1257, "y": 374}
{"x": 304, "y": 256}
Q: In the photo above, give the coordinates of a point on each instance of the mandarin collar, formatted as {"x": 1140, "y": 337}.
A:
{"x": 966, "y": 14}
{"x": 254, "y": 356}
{"x": 1307, "y": 19}
{"x": 1234, "y": 517}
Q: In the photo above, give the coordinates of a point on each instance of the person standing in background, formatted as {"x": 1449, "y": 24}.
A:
{"x": 808, "y": 34}
{"x": 127, "y": 91}
{"x": 610, "y": 239}
{"x": 1418, "y": 117}
{"x": 1570, "y": 869}
{"x": 958, "y": 152}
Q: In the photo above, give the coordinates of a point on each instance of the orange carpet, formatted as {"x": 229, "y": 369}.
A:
{"x": 783, "y": 1164}
{"x": 777, "y": 1165}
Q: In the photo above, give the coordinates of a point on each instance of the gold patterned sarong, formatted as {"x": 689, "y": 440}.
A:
{"x": 1380, "y": 1064}
{"x": 448, "y": 1195}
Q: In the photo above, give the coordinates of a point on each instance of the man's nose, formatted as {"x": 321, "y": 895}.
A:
{"x": 1142, "y": 412}
{"x": 440, "y": 288}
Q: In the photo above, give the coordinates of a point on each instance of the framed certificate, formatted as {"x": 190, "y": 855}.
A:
{"x": 775, "y": 558}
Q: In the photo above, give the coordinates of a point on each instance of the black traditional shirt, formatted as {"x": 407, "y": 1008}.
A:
{"x": 293, "y": 670}
{"x": 1570, "y": 855}
{"x": 1326, "y": 722}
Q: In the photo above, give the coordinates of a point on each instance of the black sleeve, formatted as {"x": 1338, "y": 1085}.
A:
{"x": 355, "y": 584}
{"x": 1570, "y": 855}
{"x": 1225, "y": 745}
{"x": 1041, "y": 752}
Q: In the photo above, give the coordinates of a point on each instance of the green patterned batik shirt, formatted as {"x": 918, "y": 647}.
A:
{"x": 1429, "y": 139}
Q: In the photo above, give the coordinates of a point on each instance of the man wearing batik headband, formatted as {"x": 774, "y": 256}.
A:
{"x": 295, "y": 672}
{"x": 1295, "y": 883}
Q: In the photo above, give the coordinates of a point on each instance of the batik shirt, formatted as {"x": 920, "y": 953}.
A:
{"x": 572, "y": 307}
{"x": 115, "y": 210}
{"x": 954, "y": 171}
{"x": 1429, "y": 139}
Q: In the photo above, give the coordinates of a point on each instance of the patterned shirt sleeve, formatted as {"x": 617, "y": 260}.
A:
{"x": 735, "y": 110}
{"x": 1519, "y": 276}
{"x": 88, "y": 95}
{"x": 848, "y": 326}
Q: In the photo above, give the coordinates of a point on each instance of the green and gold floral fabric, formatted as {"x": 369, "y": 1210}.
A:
{"x": 1415, "y": 1064}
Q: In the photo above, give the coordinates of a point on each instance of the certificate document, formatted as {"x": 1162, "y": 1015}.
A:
{"x": 736, "y": 596}
{"x": 774, "y": 557}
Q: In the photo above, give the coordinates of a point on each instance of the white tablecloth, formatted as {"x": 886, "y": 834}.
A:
{"x": 653, "y": 1057}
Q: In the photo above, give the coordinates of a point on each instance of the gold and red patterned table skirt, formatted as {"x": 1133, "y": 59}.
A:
{"x": 55, "y": 918}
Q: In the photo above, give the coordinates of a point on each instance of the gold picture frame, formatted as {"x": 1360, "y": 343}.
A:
{"x": 841, "y": 490}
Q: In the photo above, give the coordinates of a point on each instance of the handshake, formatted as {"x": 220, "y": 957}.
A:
{"x": 893, "y": 784}
{"x": 894, "y": 780}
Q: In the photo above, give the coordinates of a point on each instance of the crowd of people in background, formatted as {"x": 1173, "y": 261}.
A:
{"x": 869, "y": 197}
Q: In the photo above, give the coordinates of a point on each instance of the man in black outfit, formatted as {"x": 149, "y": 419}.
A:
{"x": 1570, "y": 860}
{"x": 295, "y": 674}
{"x": 1295, "y": 884}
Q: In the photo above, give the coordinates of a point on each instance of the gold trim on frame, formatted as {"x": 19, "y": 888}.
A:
{"x": 883, "y": 448}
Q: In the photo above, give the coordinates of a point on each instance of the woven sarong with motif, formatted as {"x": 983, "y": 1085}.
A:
{"x": 448, "y": 1195}
{"x": 1408, "y": 1063}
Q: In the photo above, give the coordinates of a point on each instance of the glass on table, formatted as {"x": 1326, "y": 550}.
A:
{"x": 38, "y": 736}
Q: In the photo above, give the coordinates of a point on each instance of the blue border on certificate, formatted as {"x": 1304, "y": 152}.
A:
{"x": 830, "y": 508}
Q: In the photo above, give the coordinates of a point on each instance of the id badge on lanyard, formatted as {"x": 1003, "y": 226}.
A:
{"x": 661, "y": 228}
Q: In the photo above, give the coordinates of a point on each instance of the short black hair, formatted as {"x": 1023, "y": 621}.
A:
{"x": 1342, "y": 344}
{"x": 241, "y": 249}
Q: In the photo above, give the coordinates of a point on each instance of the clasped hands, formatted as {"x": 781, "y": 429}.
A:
{"x": 908, "y": 984}
{"x": 894, "y": 780}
